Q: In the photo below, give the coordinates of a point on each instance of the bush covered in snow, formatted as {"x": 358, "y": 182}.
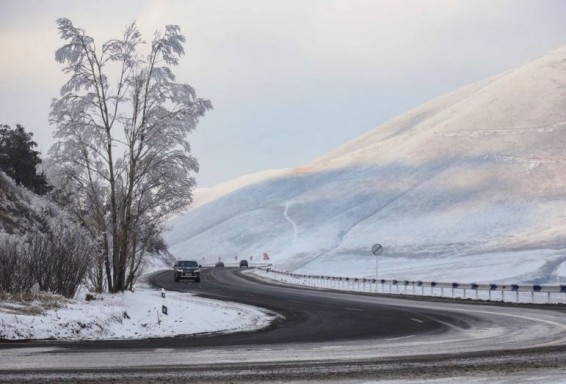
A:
{"x": 41, "y": 246}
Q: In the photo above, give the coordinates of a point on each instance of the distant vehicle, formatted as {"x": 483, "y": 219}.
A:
{"x": 243, "y": 263}
{"x": 187, "y": 269}
{"x": 220, "y": 264}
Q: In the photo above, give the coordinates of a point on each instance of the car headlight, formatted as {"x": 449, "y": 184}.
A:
{"x": 179, "y": 270}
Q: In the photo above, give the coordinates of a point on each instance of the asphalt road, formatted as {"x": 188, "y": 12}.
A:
{"x": 309, "y": 315}
{"x": 325, "y": 335}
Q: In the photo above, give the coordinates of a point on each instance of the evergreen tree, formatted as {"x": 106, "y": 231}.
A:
{"x": 19, "y": 160}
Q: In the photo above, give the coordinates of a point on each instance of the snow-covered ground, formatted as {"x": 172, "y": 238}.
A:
{"x": 131, "y": 315}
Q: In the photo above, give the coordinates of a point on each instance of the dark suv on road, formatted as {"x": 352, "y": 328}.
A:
{"x": 243, "y": 263}
{"x": 187, "y": 269}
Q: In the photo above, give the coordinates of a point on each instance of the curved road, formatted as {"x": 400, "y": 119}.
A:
{"x": 309, "y": 315}
{"x": 325, "y": 334}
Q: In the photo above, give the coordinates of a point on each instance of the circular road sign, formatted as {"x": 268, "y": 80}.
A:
{"x": 377, "y": 249}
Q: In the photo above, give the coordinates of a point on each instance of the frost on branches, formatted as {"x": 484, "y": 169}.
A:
{"x": 40, "y": 246}
{"x": 122, "y": 160}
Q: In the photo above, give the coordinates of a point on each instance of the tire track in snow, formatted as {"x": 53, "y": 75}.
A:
{"x": 295, "y": 233}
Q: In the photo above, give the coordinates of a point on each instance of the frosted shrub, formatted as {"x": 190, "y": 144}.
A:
{"x": 47, "y": 248}
{"x": 15, "y": 263}
{"x": 60, "y": 259}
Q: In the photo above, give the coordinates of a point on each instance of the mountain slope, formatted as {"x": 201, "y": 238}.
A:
{"x": 469, "y": 186}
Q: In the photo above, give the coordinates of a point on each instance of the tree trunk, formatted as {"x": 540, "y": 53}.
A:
{"x": 107, "y": 263}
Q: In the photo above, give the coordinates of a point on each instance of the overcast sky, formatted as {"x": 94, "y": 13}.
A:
{"x": 290, "y": 79}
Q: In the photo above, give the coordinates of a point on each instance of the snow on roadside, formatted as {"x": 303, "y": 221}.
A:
{"x": 131, "y": 315}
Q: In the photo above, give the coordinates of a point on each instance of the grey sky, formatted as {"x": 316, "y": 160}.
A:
{"x": 291, "y": 79}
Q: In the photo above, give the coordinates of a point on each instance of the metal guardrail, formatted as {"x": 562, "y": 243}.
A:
{"x": 232, "y": 264}
{"x": 532, "y": 293}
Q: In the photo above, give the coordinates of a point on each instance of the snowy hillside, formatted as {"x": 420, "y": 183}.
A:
{"x": 20, "y": 210}
{"x": 470, "y": 186}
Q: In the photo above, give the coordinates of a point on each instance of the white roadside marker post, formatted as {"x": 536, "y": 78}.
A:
{"x": 164, "y": 306}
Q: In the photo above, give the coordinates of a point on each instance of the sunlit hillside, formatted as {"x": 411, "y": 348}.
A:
{"x": 470, "y": 186}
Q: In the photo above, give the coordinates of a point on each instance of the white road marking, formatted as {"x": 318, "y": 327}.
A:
{"x": 417, "y": 320}
{"x": 295, "y": 301}
{"x": 353, "y": 309}
{"x": 400, "y": 338}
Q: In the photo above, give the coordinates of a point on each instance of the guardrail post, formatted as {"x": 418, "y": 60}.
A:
{"x": 515, "y": 288}
{"x": 454, "y": 286}
{"x": 536, "y": 288}
{"x": 491, "y": 288}
{"x": 475, "y": 287}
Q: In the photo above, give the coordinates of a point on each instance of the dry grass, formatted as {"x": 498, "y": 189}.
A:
{"x": 30, "y": 303}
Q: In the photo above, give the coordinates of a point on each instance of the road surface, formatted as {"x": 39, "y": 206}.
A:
{"x": 325, "y": 335}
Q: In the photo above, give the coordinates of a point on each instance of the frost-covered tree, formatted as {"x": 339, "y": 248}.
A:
{"x": 122, "y": 155}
